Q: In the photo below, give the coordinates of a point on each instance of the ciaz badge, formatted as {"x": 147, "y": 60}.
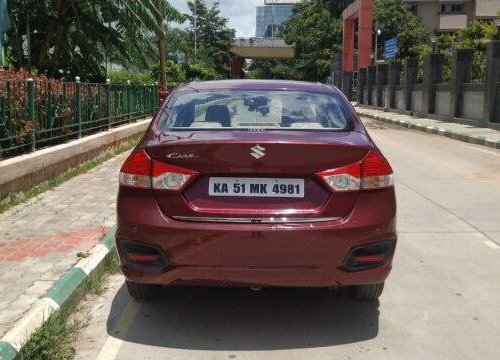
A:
{"x": 181, "y": 156}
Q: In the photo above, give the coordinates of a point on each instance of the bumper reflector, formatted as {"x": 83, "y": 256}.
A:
{"x": 142, "y": 254}
{"x": 368, "y": 256}
{"x": 145, "y": 258}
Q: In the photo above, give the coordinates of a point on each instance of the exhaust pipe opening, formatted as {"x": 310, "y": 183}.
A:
{"x": 255, "y": 288}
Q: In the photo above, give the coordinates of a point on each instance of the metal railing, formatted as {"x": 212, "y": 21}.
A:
{"x": 35, "y": 115}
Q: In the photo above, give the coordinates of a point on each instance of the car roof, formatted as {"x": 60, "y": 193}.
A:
{"x": 256, "y": 85}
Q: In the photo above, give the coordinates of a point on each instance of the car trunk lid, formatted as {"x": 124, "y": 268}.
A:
{"x": 292, "y": 158}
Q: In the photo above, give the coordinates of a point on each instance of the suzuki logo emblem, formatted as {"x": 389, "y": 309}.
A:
{"x": 258, "y": 151}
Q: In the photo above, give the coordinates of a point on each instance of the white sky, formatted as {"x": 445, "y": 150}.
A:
{"x": 241, "y": 13}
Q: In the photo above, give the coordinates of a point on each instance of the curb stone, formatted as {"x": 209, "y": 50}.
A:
{"x": 57, "y": 296}
{"x": 478, "y": 140}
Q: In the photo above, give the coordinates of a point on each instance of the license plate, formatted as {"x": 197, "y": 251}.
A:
{"x": 256, "y": 187}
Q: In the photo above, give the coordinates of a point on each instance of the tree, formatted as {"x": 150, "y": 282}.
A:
{"x": 175, "y": 73}
{"x": 273, "y": 69}
{"x": 80, "y": 35}
{"x": 165, "y": 12}
{"x": 179, "y": 47}
{"x": 315, "y": 31}
{"x": 209, "y": 30}
{"x": 476, "y": 33}
{"x": 397, "y": 19}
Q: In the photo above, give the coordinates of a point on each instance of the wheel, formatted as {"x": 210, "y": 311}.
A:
{"x": 368, "y": 291}
{"x": 142, "y": 291}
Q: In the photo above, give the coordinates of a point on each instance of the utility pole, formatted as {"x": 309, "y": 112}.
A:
{"x": 161, "y": 46}
{"x": 28, "y": 40}
{"x": 377, "y": 34}
{"x": 195, "y": 30}
{"x": 272, "y": 19}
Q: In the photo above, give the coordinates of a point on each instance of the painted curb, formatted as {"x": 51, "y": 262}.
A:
{"x": 7, "y": 351}
{"x": 57, "y": 296}
{"x": 452, "y": 134}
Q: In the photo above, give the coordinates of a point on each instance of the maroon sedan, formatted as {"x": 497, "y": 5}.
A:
{"x": 258, "y": 184}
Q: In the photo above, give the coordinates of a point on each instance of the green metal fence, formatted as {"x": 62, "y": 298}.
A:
{"x": 34, "y": 114}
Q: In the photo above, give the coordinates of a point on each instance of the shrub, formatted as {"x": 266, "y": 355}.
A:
{"x": 120, "y": 77}
{"x": 175, "y": 73}
{"x": 201, "y": 71}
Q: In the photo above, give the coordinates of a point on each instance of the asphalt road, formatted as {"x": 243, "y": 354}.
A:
{"x": 442, "y": 300}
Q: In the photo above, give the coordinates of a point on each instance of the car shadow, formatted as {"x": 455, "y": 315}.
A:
{"x": 204, "y": 318}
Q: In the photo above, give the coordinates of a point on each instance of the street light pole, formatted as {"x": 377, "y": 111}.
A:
{"x": 28, "y": 40}
{"x": 195, "y": 31}
{"x": 377, "y": 34}
{"x": 161, "y": 47}
{"x": 272, "y": 20}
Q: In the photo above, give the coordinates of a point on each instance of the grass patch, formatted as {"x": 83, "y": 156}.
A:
{"x": 97, "y": 284}
{"x": 15, "y": 199}
{"x": 56, "y": 338}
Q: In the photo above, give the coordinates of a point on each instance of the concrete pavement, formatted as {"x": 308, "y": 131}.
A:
{"x": 468, "y": 133}
{"x": 41, "y": 239}
{"x": 441, "y": 301}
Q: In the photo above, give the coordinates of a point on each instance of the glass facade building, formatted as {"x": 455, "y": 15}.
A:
{"x": 270, "y": 20}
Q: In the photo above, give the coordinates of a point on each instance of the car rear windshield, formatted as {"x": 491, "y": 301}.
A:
{"x": 255, "y": 109}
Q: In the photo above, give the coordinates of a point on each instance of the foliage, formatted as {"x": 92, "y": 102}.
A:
{"x": 178, "y": 45}
{"x": 120, "y": 77}
{"x": 397, "y": 19}
{"x": 80, "y": 35}
{"x": 273, "y": 69}
{"x": 212, "y": 35}
{"x": 175, "y": 72}
{"x": 200, "y": 71}
{"x": 445, "y": 42}
{"x": 315, "y": 31}
{"x": 53, "y": 341}
{"x": 474, "y": 35}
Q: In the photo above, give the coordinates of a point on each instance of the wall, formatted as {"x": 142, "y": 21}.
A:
{"x": 428, "y": 12}
{"x": 21, "y": 172}
{"x": 476, "y": 104}
{"x": 487, "y": 8}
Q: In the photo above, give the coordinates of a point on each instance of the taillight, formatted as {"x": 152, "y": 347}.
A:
{"x": 136, "y": 170}
{"x": 376, "y": 172}
{"x": 140, "y": 171}
{"x": 373, "y": 172}
{"x": 169, "y": 177}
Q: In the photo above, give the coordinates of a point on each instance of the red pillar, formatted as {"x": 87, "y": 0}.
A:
{"x": 348, "y": 45}
{"x": 237, "y": 67}
{"x": 365, "y": 33}
{"x": 362, "y": 10}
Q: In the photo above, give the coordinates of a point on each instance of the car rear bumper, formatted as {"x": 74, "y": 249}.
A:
{"x": 301, "y": 255}
{"x": 261, "y": 277}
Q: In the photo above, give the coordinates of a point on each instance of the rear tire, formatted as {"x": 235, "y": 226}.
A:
{"x": 142, "y": 291}
{"x": 368, "y": 291}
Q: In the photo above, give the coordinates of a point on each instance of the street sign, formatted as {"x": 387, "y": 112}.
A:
{"x": 391, "y": 48}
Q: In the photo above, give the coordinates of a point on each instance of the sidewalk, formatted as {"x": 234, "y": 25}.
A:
{"x": 43, "y": 238}
{"x": 466, "y": 133}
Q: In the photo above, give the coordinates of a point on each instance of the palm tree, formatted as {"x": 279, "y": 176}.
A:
{"x": 79, "y": 34}
{"x": 166, "y": 12}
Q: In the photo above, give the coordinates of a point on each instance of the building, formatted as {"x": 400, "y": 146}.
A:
{"x": 450, "y": 15}
{"x": 272, "y": 16}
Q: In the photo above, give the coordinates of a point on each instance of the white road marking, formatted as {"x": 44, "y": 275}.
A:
{"x": 483, "y": 150}
{"x": 491, "y": 244}
{"x": 112, "y": 345}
